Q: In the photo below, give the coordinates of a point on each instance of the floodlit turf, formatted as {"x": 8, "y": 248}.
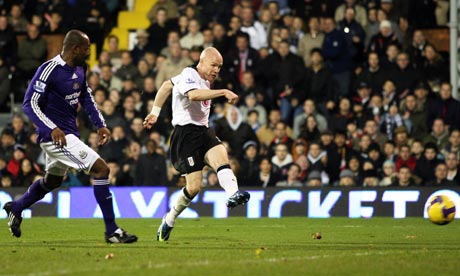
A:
{"x": 235, "y": 246}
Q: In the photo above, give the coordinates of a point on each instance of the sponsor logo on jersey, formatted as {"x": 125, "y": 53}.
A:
{"x": 189, "y": 81}
{"x": 190, "y": 161}
{"x": 74, "y": 76}
{"x": 39, "y": 86}
{"x": 83, "y": 154}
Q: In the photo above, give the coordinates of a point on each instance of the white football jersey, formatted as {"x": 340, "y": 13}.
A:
{"x": 186, "y": 111}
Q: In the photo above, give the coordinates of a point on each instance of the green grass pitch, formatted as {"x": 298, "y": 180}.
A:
{"x": 235, "y": 246}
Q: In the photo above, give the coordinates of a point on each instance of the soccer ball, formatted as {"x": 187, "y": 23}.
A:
{"x": 441, "y": 210}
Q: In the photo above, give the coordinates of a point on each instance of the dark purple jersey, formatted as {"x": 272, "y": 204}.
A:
{"x": 53, "y": 96}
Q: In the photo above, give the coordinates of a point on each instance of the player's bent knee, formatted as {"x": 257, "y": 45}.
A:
{"x": 100, "y": 169}
{"x": 52, "y": 181}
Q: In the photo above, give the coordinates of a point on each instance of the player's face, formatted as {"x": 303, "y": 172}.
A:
{"x": 212, "y": 66}
{"x": 81, "y": 53}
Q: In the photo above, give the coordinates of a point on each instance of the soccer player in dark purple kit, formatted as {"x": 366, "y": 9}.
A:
{"x": 51, "y": 102}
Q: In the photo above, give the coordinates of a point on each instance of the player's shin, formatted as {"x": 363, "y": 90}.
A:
{"x": 104, "y": 199}
{"x": 227, "y": 179}
{"x": 183, "y": 201}
{"x": 35, "y": 192}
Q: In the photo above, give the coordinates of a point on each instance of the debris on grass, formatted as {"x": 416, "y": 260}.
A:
{"x": 109, "y": 256}
{"x": 316, "y": 236}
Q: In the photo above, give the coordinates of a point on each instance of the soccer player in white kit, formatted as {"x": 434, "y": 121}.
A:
{"x": 193, "y": 143}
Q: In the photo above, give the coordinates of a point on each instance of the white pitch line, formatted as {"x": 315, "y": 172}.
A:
{"x": 213, "y": 263}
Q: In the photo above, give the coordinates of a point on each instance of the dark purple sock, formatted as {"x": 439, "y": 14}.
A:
{"x": 35, "y": 192}
{"x": 104, "y": 199}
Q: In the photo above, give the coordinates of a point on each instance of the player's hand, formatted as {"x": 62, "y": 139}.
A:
{"x": 231, "y": 97}
{"x": 58, "y": 137}
{"x": 150, "y": 120}
{"x": 104, "y": 135}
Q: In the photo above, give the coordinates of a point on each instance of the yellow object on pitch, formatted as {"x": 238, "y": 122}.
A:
{"x": 441, "y": 210}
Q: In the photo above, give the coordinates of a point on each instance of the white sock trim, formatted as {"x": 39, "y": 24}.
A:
{"x": 227, "y": 181}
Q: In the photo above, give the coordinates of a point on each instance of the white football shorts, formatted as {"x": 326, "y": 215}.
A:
{"x": 76, "y": 155}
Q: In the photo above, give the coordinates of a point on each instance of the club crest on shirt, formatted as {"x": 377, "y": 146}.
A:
{"x": 83, "y": 154}
{"x": 39, "y": 86}
{"x": 206, "y": 103}
{"x": 190, "y": 161}
{"x": 76, "y": 86}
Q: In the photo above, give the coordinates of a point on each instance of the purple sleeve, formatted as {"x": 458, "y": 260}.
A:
{"x": 87, "y": 101}
{"x": 35, "y": 98}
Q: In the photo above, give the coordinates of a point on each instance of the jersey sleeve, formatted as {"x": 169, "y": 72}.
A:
{"x": 35, "y": 97}
{"x": 186, "y": 81}
{"x": 90, "y": 106}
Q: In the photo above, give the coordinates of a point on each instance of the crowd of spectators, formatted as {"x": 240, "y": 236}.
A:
{"x": 332, "y": 93}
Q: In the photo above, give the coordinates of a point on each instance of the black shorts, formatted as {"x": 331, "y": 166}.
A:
{"x": 189, "y": 145}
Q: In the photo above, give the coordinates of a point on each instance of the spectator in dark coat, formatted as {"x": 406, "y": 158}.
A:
{"x": 266, "y": 177}
{"x": 404, "y": 76}
{"x": 5, "y": 85}
{"x": 234, "y": 131}
{"x": 416, "y": 50}
{"x": 444, "y": 107}
{"x": 158, "y": 31}
{"x": 416, "y": 115}
{"x": 284, "y": 72}
{"x": 31, "y": 53}
{"x": 354, "y": 34}
{"x": 19, "y": 128}
{"x": 337, "y": 156}
{"x": 424, "y": 170}
{"x": 142, "y": 46}
{"x": 7, "y": 144}
{"x": 440, "y": 173}
{"x": 453, "y": 171}
{"x": 439, "y": 134}
{"x": 404, "y": 178}
{"x": 241, "y": 59}
{"x": 337, "y": 56}
{"x": 151, "y": 168}
{"x": 281, "y": 161}
{"x": 435, "y": 69}
{"x": 249, "y": 165}
{"x": 128, "y": 69}
{"x": 8, "y": 42}
{"x": 380, "y": 42}
{"x": 373, "y": 74}
{"x": 318, "y": 85}
{"x": 338, "y": 120}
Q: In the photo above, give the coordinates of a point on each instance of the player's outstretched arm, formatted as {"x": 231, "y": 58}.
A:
{"x": 161, "y": 97}
{"x": 208, "y": 94}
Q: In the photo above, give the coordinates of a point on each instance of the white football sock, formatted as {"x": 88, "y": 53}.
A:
{"x": 182, "y": 202}
{"x": 227, "y": 180}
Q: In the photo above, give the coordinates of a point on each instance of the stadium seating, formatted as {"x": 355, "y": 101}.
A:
{"x": 132, "y": 20}
{"x": 144, "y": 6}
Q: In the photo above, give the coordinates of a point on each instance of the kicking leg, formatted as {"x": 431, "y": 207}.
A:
{"x": 217, "y": 158}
